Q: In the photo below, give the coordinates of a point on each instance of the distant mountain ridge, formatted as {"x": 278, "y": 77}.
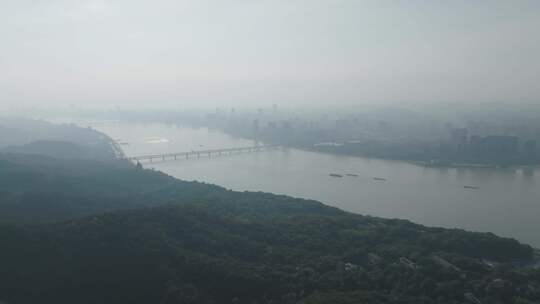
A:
{"x": 19, "y": 135}
{"x": 59, "y": 149}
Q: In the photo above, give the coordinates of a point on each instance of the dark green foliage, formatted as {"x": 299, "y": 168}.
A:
{"x": 38, "y": 188}
{"x": 186, "y": 242}
{"x": 62, "y": 149}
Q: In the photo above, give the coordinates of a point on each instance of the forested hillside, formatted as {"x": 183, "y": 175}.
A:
{"x": 28, "y": 136}
{"x": 39, "y": 188}
{"x": 65, "y": 239}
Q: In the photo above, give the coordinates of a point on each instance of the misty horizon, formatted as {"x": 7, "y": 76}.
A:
{"x": 215, "y": 53}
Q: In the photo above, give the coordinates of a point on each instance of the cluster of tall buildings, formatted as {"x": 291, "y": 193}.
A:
{"x": 491, "y": 146}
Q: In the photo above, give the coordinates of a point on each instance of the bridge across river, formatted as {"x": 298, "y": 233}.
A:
{"x": 199, "y": 153}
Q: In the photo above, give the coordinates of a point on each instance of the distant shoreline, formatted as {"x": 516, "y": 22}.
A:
{"x": 474, "y": 165}
{"x": 115, "y": 147}
{"x": 425, "y": 163}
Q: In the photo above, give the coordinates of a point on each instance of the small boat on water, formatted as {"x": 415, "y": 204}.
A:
{"x": 379, "y": 179}
{"x": 470, "y": 187}
{"x": 352, "y": 175}
{"x": 335, "y": 175}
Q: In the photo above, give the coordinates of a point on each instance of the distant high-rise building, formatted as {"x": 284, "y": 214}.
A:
{"x": 529, "y": 146}
{"x": 459, "y": 138}
{"x": 256, "y": 125}
{"x": 501, "y": 145}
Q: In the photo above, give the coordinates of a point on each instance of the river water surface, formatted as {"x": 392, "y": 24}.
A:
{"x": 507, "y": 201}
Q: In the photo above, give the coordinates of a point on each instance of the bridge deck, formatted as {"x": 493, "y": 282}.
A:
{"x": 198, "y": 153}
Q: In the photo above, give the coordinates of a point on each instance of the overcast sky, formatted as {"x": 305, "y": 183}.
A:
{"x": 221, "y": 52}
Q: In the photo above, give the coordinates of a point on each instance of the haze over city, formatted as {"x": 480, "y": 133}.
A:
{"x": 269, "y": 152}
{"x": 135, "y": 53}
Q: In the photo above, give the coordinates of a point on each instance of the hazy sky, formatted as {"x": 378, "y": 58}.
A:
{"x": 165, "y": 52}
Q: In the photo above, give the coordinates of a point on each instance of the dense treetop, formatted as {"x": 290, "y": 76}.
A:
{"x": 88, "y": 231}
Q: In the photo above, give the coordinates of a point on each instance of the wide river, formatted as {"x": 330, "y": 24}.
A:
{"x": 506, "y": 202}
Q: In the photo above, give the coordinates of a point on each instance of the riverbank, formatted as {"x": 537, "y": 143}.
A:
{"x": 474, "y": 165}
{"x": 424, "y": 163}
